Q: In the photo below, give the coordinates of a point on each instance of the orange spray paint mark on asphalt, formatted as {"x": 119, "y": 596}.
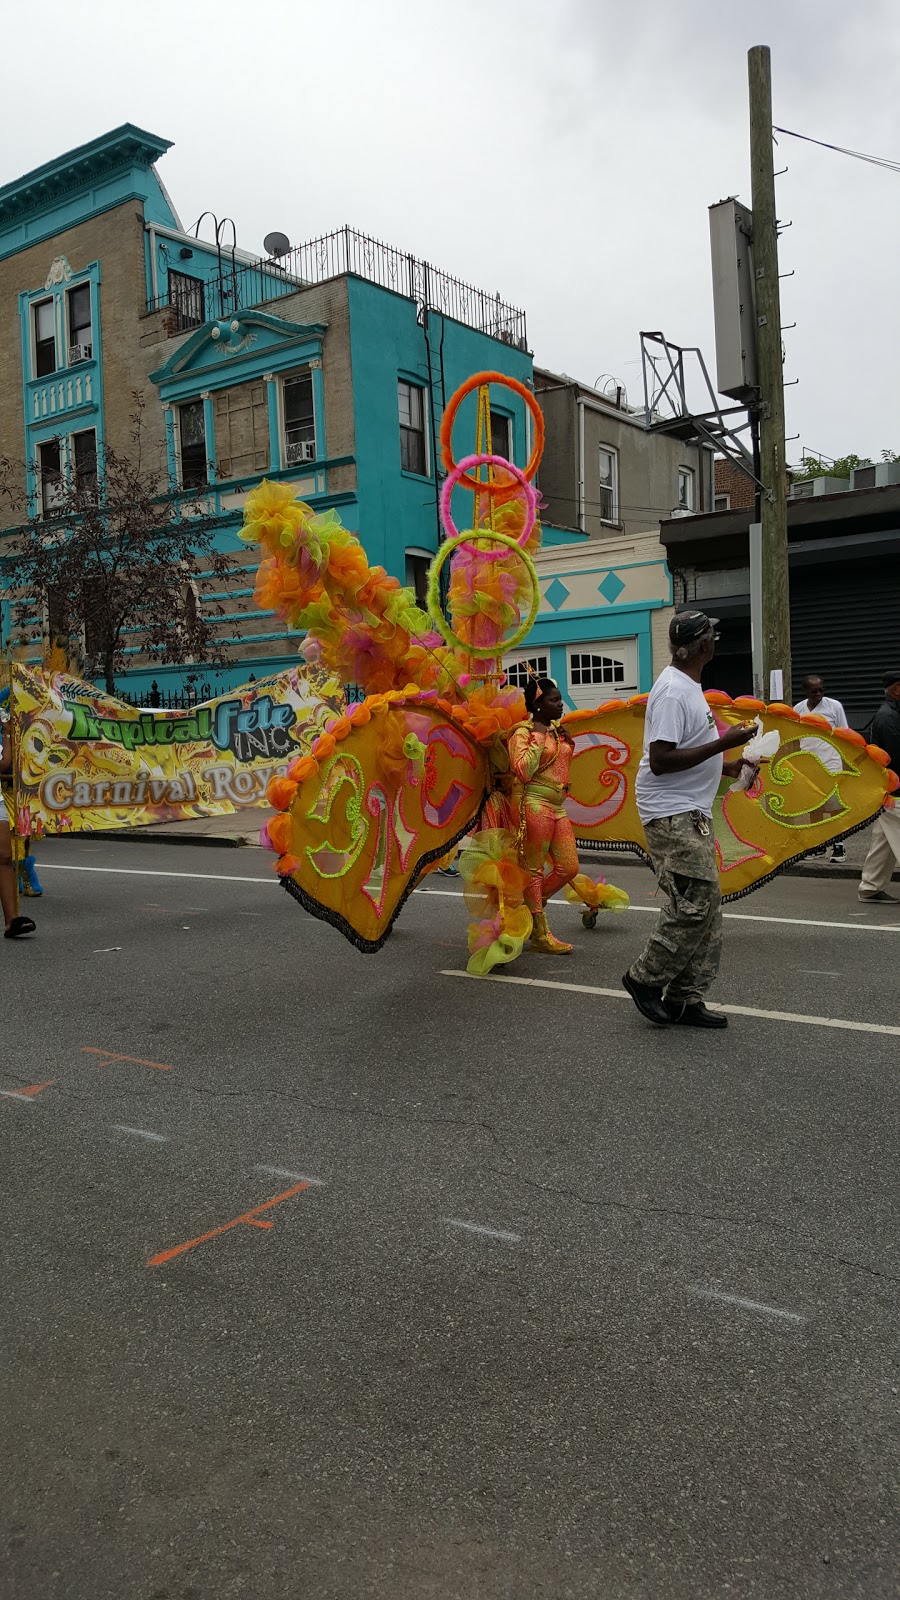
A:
{"x": 249, "y": 1219}
{"x": 35, "y": 1088}
{"x": 111, "y": 1055}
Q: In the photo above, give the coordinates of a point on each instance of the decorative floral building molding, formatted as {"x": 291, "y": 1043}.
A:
{"x": 60, "y": 272}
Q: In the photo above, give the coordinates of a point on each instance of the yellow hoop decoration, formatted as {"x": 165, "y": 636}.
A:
{"x": 481, "y": 652}
{"x": 453, "y": 405}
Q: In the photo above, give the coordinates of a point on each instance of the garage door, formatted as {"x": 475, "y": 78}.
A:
{"x": 607, "y": 670}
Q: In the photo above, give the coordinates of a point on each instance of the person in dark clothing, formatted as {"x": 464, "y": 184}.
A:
{"x": 884, "y": 851}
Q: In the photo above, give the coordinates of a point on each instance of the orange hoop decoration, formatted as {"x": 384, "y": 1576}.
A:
{"x": 449, "y": 418}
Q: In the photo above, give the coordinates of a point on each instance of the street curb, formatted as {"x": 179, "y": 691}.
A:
{"x": 138, "y": 836}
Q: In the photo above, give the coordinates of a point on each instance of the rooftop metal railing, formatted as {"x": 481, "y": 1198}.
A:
{"x": 242, "y": 285}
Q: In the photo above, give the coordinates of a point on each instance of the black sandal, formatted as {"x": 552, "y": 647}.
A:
{"x": 19, "y": 927}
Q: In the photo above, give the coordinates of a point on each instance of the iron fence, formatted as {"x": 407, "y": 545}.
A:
{"x": 240, "y": 285}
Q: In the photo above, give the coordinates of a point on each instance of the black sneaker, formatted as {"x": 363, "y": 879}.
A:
{"x": 838, "y": 853}
{"x": 648, "y": 1000}
{"x": 694, "y": 1014}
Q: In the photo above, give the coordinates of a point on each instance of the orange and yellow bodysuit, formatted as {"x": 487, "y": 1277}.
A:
{"x": 538, "y": 782}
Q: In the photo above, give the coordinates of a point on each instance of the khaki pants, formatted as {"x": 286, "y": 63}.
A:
{"x": 884, "y": 853}
{"x": 683, "y": 952}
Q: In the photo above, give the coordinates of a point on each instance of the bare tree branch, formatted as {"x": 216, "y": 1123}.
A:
{"x": 113, "y": 563}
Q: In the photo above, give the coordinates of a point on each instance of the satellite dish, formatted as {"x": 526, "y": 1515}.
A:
{"x": 276, "y": 244}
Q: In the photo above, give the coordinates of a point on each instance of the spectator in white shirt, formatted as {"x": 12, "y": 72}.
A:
{"x": 818, "y": 704}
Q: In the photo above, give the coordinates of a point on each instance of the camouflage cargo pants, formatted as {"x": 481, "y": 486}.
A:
{"x": 683, "y": 952}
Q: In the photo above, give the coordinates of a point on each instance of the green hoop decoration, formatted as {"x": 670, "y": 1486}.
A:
{"x": 480, "y": 652}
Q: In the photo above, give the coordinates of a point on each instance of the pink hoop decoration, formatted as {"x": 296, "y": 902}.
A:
{"x": 452, "y": 480}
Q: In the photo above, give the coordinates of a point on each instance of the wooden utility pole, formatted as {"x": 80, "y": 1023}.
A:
{"x": 776, "y": 615}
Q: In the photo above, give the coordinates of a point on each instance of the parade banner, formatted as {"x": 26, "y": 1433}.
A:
{"x": 86, "y": 762}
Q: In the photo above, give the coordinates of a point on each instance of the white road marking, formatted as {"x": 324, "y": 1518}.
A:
{"x": 747, "y": 1305}
{"x": 457, "y": 894}
{"x": 299, "y": 1177}
{"x": 107, "y": 950}
{"x": 148, "y": 872}
{"x": 820, "y": 972}
{"x": 142, "y": 1133}
{"x": 735, "y": 1011}
{"x": 477, "y": 1227}
{"x": 13, "y": 1094}
{"x": 734, "y": 916}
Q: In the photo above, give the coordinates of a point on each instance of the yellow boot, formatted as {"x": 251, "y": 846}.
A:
{"x": 542, "y": 939}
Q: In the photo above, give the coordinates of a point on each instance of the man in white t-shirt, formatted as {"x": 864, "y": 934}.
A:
{"x": 676, "y": 784}
{"x": 818, "y": 704}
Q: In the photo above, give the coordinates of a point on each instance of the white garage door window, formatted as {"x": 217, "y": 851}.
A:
{"x": 606, "y": 670}
{"x": 516, "y": 668}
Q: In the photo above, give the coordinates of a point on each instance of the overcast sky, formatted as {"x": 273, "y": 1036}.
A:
{"x": 563, "y": 152}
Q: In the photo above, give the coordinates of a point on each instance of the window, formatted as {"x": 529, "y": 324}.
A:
{"x": 299, "y": 419}
{"x": 242, "y": 430}
{"x": 186, "y": 296}
{"x": 501, "y": 430}
{"x": 417, "y": 564}
{"x": 412, "y": 428}
{"x": 192, "y": 431}
{"x": 50, "y": 476}
{"x": 722, "y": 502}
{"x": 80, "y": 332}
{"x": 685, "y": 489}
{"x": 517, "y": 669}
{"x": 44, "y": 339}
{"x": 84, "y": 455}
{"x": 596, "y": 669}
{"x": 609, "y": 485}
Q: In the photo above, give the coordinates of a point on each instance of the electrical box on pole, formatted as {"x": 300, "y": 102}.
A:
{"x": 734, "y": 299}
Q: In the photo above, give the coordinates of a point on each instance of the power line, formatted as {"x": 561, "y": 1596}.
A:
{"x": 841, "y": 150}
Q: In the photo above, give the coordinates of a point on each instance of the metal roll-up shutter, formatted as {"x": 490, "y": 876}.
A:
{"x": 845, "y": 626}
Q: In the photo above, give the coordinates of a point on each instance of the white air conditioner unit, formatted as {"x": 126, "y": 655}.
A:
{"x": 876, "y": 475}
{"x": 79, "y": 352}
{"x": 811, "y": 488}
{"x": 303, "y": 450}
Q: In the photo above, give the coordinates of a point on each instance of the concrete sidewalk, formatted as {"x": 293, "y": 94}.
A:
{"x": 242, "y": 828}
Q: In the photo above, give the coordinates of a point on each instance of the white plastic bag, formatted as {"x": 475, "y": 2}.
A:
{"x": 760, "y": 748}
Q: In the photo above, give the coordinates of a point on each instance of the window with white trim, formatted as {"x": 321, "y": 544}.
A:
{"x": 519, "y": 669}
{"x": 686, "y": 488}
{"x": 44, "y": 335}
{"x": 192, "y": 444}
{"x": 411, "y": 406}
{"x": 79, "y": 324}
{"x": 299, "y": 418}
{"x": 50, "y": 476}
{"x": 608, "y": 468}
{"x": 722, "y": 502}
{"x": 589, "y": 668}
{"x": 417, "y": 565}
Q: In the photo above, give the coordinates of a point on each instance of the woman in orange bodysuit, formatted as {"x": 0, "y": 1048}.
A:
{"x": 540, "y": 752}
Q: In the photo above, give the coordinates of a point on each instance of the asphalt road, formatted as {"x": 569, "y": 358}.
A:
{"x": 552, "y": 1304}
